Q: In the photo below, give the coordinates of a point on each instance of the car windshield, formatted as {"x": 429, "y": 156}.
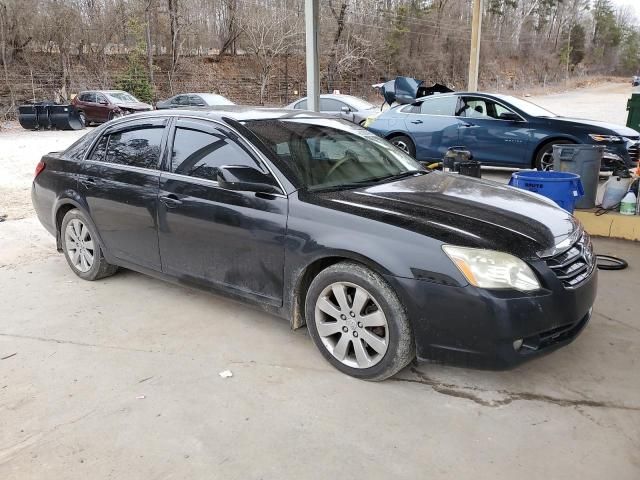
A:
{"x": 331, "y": 154}
{"x": 215, "y": 99}
{"x": 121, "y": 97}
{"x": 527, "y": 107}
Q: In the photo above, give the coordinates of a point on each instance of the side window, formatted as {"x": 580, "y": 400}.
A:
{"x": 413, "y": 108}
{"x": 474, "y": 108}
{"x": 90, "y": 97}
{"x": 445, "y": 105}
{"x": 181, "y": 100}
{"x": 301, "y": 105}
{"x": 138, "y": 147}
{"x": 331, "y": 105}
{"x": 499, "y": 109}
{"x": 197, "y": 153}
{"x": 100, "y": 98}
{"x": 99, "y": 152}
{"x": 196, "y": 101}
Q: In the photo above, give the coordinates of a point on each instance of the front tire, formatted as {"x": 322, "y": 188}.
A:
{"x": 358, "y": 323}
{"x": 405, "y": 144}
{"x": 82, "y": 249}
{"x": 544, "y": 157}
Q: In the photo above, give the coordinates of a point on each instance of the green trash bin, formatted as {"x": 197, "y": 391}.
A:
{"x": 633, "y": 107}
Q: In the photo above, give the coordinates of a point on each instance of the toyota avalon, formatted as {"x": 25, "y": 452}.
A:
{"x": 319, "y": 221}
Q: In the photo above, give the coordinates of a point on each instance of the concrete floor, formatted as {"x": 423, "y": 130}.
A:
{"x": 119, "y": 379}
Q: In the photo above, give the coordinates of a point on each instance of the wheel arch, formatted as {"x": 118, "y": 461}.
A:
{"x": 305, "y": 275}
{"x": 546, "y": 141}
{"x": 62, "y": 207}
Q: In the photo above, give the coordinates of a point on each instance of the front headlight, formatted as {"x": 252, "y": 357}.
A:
{"x": 492, "y": 269}
{"x": 605, "y": 138}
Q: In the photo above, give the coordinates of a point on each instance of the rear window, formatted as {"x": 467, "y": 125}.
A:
{"x": 78, "y": 149}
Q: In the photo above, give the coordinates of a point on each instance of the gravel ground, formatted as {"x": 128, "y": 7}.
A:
{"x": 20, "y": 151}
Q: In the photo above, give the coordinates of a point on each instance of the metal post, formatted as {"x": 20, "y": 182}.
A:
{"x": 474, "y": 59}
{"x": 311, "y": 9}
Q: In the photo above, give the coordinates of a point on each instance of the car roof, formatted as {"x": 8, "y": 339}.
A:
{"x": 235, "y": 112}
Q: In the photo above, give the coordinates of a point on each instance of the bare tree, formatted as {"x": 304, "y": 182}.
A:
{"x": 267, "y": 36}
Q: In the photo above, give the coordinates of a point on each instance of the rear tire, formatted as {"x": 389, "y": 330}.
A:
{"x": 358, "y": 323}
{"x": 82, "y": 249}
{"x": 405, "y": 144}
{"x": 544, "y": 157}
{"x": 83, "y": 119}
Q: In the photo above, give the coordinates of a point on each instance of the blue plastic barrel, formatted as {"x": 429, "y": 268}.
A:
{"x": 564, "y": 188}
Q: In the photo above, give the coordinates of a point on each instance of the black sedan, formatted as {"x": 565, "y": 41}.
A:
{"x": 321, "y": 222}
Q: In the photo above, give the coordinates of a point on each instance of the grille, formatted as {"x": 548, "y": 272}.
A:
{"x": 634, "y": 151}
{"x": 574, "y": 266}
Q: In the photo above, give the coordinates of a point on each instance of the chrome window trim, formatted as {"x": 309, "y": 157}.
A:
{"x": 206, "y": 182}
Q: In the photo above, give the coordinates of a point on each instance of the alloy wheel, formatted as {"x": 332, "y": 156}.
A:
{"x": 80, "y": 246}
{"x": 351, "y": 325}
{"x": 402, "y": 146}
{"x": 546, "y": 161}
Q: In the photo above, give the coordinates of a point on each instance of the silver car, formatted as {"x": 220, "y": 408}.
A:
{"x": 348, "y": 107}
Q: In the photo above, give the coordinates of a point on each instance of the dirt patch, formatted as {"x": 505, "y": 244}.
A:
{"x": 20, "y": 151}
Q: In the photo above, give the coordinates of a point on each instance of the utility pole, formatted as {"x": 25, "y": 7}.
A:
{"x": 311, "y": 15}
{"x": 474, "y": 59}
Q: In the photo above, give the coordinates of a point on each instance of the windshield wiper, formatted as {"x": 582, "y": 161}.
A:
{"x": 397, "y": 176}
{"x": 343, "y": 186}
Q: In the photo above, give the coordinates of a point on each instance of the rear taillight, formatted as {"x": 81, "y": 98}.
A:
{"x": 39, "y": 168}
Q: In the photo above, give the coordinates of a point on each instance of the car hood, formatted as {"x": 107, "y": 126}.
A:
{"x": 134, "y": 105}
{"x": 462, "y": 211}
{"x": 600, "y": 126}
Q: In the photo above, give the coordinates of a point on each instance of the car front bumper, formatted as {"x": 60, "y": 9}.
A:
{"x": 472, "y": 327}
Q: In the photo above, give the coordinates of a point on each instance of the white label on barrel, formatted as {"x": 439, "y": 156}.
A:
{"x": 575, "y": 193}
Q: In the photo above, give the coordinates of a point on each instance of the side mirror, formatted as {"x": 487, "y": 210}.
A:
{"x": 510, "y": 116}
{"x": 245, "y": 179}
{"x": 103, "y": 102}
{"x": 345, "y": 109}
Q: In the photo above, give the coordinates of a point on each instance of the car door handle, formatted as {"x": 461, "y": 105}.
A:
{"x": 171, "y": 201}
{"x": 469, "y": 125}
{"x": 416, "y": 121}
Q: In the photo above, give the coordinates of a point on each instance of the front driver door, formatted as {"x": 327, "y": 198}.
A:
{"x": 491, "y": 139}
{"x": 230, "y": 239}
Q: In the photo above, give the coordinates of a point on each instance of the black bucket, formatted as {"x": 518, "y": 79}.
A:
{"x": 43, "y": 115}
{"x": 64, "y": 117}
{"x": 28, "y": 117}
{"x": 469, "y": 169}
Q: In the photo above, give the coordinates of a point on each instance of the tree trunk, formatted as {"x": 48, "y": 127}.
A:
{"x": 147, "y": 16}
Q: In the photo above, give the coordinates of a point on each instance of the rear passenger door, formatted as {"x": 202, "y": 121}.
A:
{"x": 119, "y": 180}
{"x": 433, "y": 125}
{"x": 334, "y": 107}
{"x": 229, "y": 239}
